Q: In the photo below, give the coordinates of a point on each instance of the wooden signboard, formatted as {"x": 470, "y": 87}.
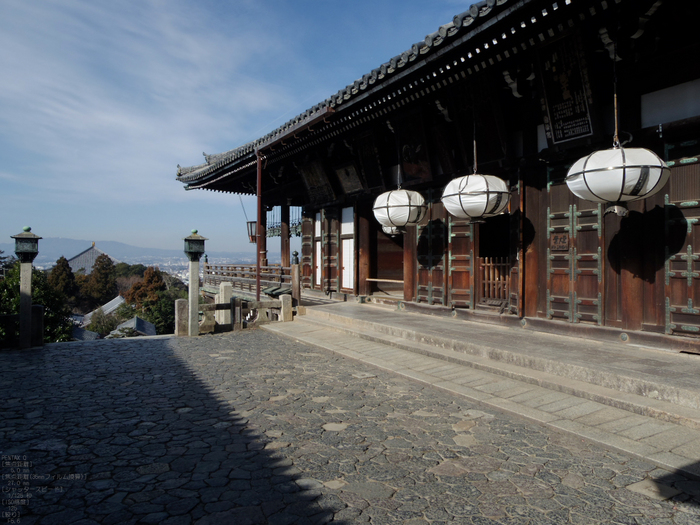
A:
{"x": 317, "y": 185}
{"x": 349, "y": 178}
{"x": 567, "y": 92}
{"x": 559, "y": 242}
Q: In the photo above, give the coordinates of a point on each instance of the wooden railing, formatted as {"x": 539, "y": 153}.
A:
{"x": 495, "y": 272}
{"x": 243, "y": 276}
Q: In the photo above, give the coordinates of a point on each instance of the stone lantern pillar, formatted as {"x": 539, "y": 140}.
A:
{"x": 194, "y": 249}
{"x": 26, "y": 249}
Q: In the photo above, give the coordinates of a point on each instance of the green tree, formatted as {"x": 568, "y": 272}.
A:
{"x": 6, "y": 262}
{"x": 145, "y": 292}
{"x": 102, "y": 323}
{"x": 101, "y": 284}
{"x": 123, "y": 269}
{"x": 153, "y": 299}
{"x": 162, "y": 312}
{"x": 58, "y": 325}
{"x": 62, "y": 280}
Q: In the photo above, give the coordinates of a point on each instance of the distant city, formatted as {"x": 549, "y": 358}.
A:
{"x": 172, "y": 261}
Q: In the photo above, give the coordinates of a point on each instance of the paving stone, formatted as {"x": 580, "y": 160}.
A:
{"x": 171, "y": 434}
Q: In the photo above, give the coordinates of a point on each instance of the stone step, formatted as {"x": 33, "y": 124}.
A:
{"x": 664, "y": 402}
{"x": 668, "y": 436}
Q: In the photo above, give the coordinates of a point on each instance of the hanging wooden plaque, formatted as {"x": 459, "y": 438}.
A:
{"x": 566, "y": 91}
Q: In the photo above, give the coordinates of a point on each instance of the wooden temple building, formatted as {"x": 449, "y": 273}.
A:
{"x": 532, "y": 83}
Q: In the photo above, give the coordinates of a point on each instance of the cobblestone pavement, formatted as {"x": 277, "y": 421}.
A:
{"x": 250, "y": 428}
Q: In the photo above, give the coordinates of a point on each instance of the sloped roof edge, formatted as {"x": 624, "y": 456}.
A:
{"x": 370, "y": 82}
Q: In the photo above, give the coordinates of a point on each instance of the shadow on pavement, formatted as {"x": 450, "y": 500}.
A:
{"x": 678, "y": 487}
{"x": 124, "y": 432}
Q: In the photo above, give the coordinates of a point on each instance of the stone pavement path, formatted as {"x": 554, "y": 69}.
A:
{"x": 250, "y": 428}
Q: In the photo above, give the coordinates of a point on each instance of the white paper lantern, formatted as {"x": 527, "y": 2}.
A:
{"x": 617, "y": 175}
{"x": 399, "y": 208}
{"x": 476, "y": 196}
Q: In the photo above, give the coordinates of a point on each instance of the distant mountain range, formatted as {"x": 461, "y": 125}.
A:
{"x": 52, "y": 248}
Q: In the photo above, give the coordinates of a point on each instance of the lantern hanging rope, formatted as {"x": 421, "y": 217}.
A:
{"x": 617, "y": 175}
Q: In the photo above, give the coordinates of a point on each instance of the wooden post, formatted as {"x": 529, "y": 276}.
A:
{"x": 364, "y": 232}
{"x": 263, "y": 238}
{"x": 237, "y": 315}
{"x": 259, "y": 234}
{"x": 409, "y": 263}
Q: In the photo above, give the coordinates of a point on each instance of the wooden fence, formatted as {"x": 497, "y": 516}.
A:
{"x": 495, "y": 272}
{"x": 243, "y": 276}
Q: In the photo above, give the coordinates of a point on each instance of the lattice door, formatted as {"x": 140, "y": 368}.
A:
{"x": 431, "y": 252}
{"x": 461, "y": 263}
{"x": 683, "y": 268}
{"x": 307, "y": 250}
{"x": 574, "y": 258}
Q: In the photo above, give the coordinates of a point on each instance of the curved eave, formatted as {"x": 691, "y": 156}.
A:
{"x": 461, "y": 28}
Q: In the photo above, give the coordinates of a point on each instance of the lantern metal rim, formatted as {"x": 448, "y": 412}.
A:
{"x": 617, "y": 167}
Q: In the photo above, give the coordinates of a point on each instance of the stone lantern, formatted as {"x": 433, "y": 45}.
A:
{"x": 26, "y": 249}
{"x": 194, "y": 249}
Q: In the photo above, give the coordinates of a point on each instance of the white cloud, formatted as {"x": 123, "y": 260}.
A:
{"x": 103, "y": 98}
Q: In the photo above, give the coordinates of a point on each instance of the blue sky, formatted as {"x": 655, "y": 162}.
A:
{"x": 101, "y": 100}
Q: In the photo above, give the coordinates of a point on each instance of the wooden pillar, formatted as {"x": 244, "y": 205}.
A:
{"x": 409, "y": 263}
{"x": 364, "y": 232}
{"x": 284, "y": 236}
{"x": 259, "y": 230}
{"x": 262, "y": 240}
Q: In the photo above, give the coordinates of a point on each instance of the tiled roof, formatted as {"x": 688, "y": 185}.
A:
{"x": 138, "y": 324}
{"x": 86, "y": 259}
{"x": 460, "y": 29}
{"x": 107, "y": 309}
{"x": 80, "y": 334}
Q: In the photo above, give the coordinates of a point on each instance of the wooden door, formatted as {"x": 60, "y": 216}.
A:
{"x": 318, "y": 250}
{"x": 461, "y": 263}
{"x": 559, "y": 253}
{"x": 682, "y": 267}
{"x": 431, "y": 252}
{"x": 587, "y": 262}
{"x": 307, "y": 250}
{"x": 333, "y": 252}
{"x": 574, "y": 258}
{"x": 514, "y": 304}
